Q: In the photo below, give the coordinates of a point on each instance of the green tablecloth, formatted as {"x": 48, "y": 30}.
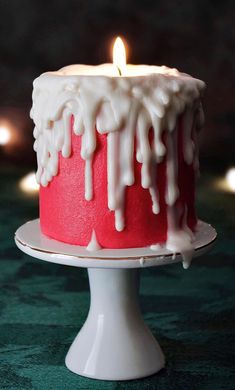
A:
{"x": 192, "y": 313}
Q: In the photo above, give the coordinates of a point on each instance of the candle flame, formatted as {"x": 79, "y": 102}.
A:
{"x": 119, "y": 55}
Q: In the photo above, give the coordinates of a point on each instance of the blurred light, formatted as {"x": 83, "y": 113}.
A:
{"x": 29, "y": 184}
{"x": 226, "y": 183}
{"x": 5, "y": 135}
{"x": 230, "y": 179}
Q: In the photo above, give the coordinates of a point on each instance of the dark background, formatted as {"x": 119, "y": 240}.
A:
{"x": 197, "y": 37}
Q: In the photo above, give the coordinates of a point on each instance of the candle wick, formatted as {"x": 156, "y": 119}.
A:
{"x": 119, "y": 71}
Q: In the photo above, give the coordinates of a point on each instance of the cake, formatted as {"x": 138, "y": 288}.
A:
{"x": 118, "y": 156}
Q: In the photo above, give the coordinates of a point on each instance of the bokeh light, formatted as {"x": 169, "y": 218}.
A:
{"x": 5, "y": 135}
{"x": 28, "y": 183}
{"x": 226, "y": 183}
{"x": 230, "y": 179}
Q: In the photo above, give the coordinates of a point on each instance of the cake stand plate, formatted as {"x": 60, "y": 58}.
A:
{"x": 114, "y": 343}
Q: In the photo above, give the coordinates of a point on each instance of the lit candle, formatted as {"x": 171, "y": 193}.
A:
{"x": 101, "y": 129}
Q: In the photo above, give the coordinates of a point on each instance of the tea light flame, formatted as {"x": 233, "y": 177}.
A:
{"x": 5, "y": 135}
{"x": 28, "y": 183}
{"x": 119, "y": 55}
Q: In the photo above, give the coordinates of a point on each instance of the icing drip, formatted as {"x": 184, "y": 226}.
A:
{"x": 179, "y": 240}
{"x": 155, "y": 247}
{"x": 188, "y": 144}
{"x": 93, "y": 244}
{"x": 198, "y": 124}
{"x": 88, "y": 180}
{"x": 124, "y": 108}
{"x": 172, "y": 191}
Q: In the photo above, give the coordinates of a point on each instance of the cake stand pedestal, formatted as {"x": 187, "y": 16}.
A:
{"x": 114, "y": 343}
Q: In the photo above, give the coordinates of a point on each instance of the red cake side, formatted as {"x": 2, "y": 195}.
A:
{"x": 66, "y": 216}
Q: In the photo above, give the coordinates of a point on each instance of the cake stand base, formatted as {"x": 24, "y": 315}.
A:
{"x": 114, "y": 343}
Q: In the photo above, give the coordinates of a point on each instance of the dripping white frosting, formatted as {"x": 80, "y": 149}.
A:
{"x": 181, "y": 242}
{"x": 179, "y": 239}
{"x": 93, "y": 244}
{"x": 155, "y": 247}
{"x": 124, "y": 108}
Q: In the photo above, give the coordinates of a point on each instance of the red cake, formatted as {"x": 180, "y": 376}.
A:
{"x": 117, "y": 156}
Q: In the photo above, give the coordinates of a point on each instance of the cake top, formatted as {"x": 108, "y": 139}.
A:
{"x": 111, "y": 70}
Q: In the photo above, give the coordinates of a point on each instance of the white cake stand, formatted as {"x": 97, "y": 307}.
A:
{"x": 114, "y": 343}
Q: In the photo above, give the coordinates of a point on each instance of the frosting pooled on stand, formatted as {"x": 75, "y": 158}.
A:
{"x": 124, "y": 108}
{"x": 93, "y": 244}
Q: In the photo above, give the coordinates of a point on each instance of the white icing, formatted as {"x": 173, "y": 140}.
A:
{"x": 156, "y": 247}
{"x": 124, "y": 108}
{"x": 172, "y": 191}
{"x": 180, "y": 242}
{"x": 93, "y": 244}
{"x": 179, "y": 239}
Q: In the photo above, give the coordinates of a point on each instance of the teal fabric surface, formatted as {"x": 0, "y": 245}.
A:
{"x": 43, "y": 306}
